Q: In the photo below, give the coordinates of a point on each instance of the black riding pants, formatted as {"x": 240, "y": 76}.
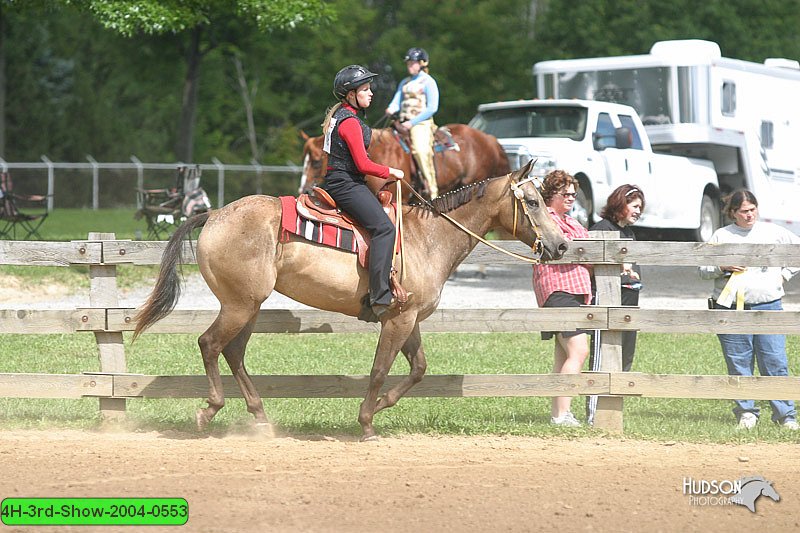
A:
{"x": 354, "y": 198}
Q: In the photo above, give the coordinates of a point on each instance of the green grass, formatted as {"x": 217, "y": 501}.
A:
{"x": 645, "y": 418}
{"x": 76, "y": 224}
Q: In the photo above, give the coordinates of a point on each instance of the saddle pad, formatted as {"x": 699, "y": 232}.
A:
{"x": 319, "y": 232}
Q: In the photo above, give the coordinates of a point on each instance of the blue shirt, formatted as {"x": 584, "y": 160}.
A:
{"x": 431, "y": 91}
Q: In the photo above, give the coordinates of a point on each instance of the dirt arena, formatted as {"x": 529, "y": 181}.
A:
{"x": 413, "y": 483}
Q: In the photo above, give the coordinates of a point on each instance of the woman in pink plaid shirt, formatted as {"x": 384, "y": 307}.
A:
{"x": 564, "y": 285}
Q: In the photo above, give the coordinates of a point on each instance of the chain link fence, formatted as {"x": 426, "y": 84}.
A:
{"x": 95, "y": 185}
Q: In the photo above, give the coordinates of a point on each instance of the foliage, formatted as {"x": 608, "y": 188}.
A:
{"x": 76, "y": 85}
{"x": 129, "y": 17}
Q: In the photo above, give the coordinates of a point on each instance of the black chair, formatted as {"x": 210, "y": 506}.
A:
{"x": 20, "y": 213}
{"x": 165, "y": 209}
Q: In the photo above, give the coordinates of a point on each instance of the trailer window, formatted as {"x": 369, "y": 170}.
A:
{"x": 728, "y": 98}
{"x": 627, "y": 122}
{"x": 767, "y": 134}
{"x": 645, "y": 89}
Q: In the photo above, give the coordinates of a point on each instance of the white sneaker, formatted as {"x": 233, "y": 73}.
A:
{"x": 566, "y": 420}
{"x": 790, "y": 424}
{"x": 748, "y": 421}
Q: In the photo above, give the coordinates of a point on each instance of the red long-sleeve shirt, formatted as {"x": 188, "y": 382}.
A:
{"x": 351, "y": 134}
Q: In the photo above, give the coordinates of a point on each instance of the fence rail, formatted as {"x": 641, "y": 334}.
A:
{"x": 113, "y": 385}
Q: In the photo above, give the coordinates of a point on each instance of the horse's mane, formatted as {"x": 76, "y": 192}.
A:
{"x": 457, "y": 197}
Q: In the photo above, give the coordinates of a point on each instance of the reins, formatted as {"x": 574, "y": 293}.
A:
{"x": 518, "y": 195}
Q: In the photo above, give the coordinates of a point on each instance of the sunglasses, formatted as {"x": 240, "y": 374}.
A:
{"x": 569, "y": 194}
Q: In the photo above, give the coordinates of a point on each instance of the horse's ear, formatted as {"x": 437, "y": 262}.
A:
{"x": 304, "y": 135}
{"x": 523, "y": 172}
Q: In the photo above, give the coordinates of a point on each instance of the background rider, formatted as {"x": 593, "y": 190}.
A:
{"x": 417, "y": 100}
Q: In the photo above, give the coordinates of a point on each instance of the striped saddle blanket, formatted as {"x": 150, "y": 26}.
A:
{"x": 298, "y": 219}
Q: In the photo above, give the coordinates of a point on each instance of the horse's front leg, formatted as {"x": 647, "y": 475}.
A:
{"x": 393, "y": 336}
{"x": 413, "y": 351}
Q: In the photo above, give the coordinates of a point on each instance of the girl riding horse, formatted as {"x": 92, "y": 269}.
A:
{"x": 347, "y": 138}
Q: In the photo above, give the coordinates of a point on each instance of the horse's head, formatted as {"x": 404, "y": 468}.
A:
{"x": 528, "y": 219}
{"x": 315, "y": 162}
{"x": 770, "y": 492}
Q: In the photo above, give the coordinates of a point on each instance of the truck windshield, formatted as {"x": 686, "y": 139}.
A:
{"x": 533, "y": 121}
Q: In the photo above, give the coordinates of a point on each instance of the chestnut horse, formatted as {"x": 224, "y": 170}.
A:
{"x": 242, "y": 259}
{"x": 478, "y": 156}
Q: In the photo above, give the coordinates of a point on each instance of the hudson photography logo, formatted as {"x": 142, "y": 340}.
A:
{"x": 744, "y": 491}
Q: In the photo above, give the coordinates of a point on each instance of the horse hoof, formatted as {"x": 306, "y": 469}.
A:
{"x": 370, "y": 438}
{"x": 264, "y": 429}
{"x": 201, "y": 419}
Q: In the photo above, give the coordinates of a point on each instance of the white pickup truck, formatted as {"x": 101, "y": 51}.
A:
{"x": 604, "y": 145}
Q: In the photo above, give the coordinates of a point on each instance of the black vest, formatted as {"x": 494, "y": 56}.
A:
{"x": 339, "y": 157}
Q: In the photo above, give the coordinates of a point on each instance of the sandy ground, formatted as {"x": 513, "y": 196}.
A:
{"x": 409, "y": 484}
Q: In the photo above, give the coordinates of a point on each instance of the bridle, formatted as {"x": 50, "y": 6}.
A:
{"x": 519, "y": 196}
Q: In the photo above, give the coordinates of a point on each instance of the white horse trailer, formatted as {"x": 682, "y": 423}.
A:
{"x": 742, "y": 116}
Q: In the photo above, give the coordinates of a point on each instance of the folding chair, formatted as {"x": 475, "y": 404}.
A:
{"x": 24, "y": 211}
{"x": 164, "y": 209}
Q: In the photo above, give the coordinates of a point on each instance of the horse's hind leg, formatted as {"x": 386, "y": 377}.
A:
{"x": 234, "y": 355}
{"x": 413, "y": 351}
{"x": 229, "y": 323}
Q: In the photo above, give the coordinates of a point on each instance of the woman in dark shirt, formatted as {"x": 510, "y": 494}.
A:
{"x": 623, "y": 208}
{"x": 347, "y": 138}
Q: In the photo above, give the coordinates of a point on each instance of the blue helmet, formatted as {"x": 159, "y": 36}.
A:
{"x": 417, "y": 54}
{"x": 349, "y": 78}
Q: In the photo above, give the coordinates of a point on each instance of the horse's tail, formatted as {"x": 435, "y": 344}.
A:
{"x": 168, "y": 285}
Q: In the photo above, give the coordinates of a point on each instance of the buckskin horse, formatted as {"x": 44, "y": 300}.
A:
{"x": 478, "y": 155}
{"x": 243, "y": 259}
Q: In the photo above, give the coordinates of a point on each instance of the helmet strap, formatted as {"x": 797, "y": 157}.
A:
{"x": 355, "y": 103}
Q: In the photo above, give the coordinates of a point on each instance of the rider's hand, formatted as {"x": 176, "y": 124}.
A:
{"x": 396, "y": 173}
{"x": 732, "y": 268}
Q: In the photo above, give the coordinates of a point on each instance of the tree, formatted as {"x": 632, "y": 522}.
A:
{"x": 208, "y": 24}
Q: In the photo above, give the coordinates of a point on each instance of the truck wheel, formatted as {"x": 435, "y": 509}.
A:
{"x": 709, "y": 220}
{"x": 582, "y": 208}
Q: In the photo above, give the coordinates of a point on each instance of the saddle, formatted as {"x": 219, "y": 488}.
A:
{"x": 319, "y": 206}
{"x": 442, "y": 141}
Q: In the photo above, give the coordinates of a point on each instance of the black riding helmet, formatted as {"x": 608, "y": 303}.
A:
{"x": 417, "y": 54}
{"x": 350, "y": 78}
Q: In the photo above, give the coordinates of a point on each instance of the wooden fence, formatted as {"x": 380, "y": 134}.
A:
{"x": 113, "y": 385}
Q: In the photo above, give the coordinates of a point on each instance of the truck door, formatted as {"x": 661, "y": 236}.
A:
{"x": 626, "y": 165}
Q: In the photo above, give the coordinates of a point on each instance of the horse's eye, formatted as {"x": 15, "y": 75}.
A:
{"x": 533, "y": 202}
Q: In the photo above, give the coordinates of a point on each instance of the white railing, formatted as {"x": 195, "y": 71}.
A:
{"x": 139, "y": 167}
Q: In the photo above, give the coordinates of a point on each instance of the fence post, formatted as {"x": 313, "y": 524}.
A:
{"x": 220, "y": 182}
{"x": 608, "y": 415}
{"x": 103, "y": 294}
{"x": 139, "y": 180}
{"x": 95, "y": 183}
{"x": 51, "y": 182}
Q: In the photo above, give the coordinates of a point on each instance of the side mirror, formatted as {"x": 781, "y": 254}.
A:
{"x": 623, "y": 137}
